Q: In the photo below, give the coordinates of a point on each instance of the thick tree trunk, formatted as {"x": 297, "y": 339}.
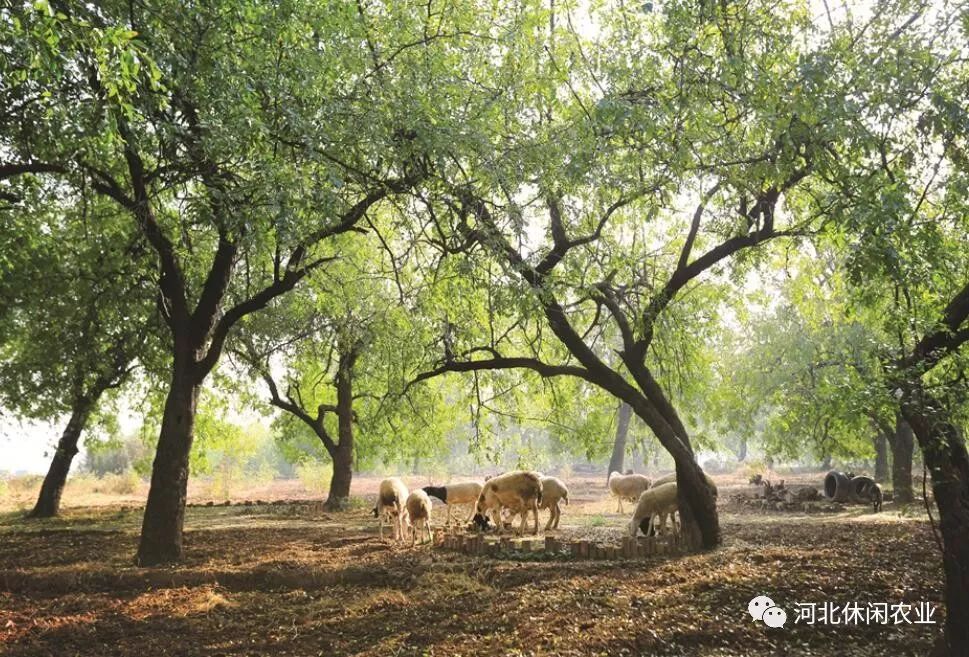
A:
{"x": 944, "y": 450}
{"x": 619, "y": 445}
{"x": 881, "y": 456}
{"x": 697, "y": 507}
{"x": 49, "y": 500}
{"x": 161, "y": 530}
{"x": 902, "y": 445}
{"x": 826, "y": 462}
{"x": 339, "y": 494}
{"x": 338, "y": 497}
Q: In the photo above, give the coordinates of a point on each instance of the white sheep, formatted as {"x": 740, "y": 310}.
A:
{"x": 627, "y": 487}
{"x": 671, "y": 478}
{"x": 518, "y": 491}
{"x": 553, "y": 491}
{"x": 391, "y": 503}
{"x": 465, "y": 492}
{"x": 653, "y": 507}
{"x": 419, "y": 516}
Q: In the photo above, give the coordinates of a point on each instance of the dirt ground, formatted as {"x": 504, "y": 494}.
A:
{"x": 288, "y": 579}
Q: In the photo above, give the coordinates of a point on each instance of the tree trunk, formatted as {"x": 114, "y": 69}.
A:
{"x": 826, "y": 463}
{"x": 338, "y": 497}
{"x": 944, "y": 450}
{"x": 161, "y": 530}
{"x": 881, "y": 456}
{"x": 622, "y": 431}
{"x": 339, "y": 494}
{"x": 742, "y": 449}
{"x": 902, "y": 445}
{"x": 49, "y": 500}
{"x": 697, "y": 507}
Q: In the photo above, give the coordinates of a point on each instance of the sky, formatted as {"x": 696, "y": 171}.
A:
{"x": 26, "y": 447}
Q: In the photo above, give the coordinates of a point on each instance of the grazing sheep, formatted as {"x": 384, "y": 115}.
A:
{"x": 652, "y": 509}
{"x": 671, "y": 478}
{"x": 518, "y": 491}
{"x": 553, "y": 490}
{"x": 466, "y": 492}
{"x": 419, "y": 516}
{"x": 627, "y": 486}
{"x": 391, "y": 501}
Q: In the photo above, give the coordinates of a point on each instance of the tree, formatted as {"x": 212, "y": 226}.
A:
{"x": 900, "y": 217}
{"x": 623, "y": 415}
{"x": 582, "y": 204}
{"x": 330, "y": 333}
{"x": 234, "y": 223}
{"x": 74, "y": 320}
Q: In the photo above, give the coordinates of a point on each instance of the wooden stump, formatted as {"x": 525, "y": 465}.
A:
{"x": 575, "y": 549}
{"x": 551, "y": 545}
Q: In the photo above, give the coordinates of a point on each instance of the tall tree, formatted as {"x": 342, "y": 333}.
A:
{"x": 901, "y": 218}
{"x": 330, "y": 129}
{"x": 74, "y": 321}
{"x": 728, "y": 109}
{"x": 623, "y": 416}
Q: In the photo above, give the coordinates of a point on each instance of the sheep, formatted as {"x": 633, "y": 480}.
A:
{"x": 517, "y": 491}
{"x": 671, "y": 478}
{"x": 653, "y": 507}
{"x": 419, "y": 516}
{"x": 391, "y": 502}
{"x": 553, "y": 490}
{"x": 466, "y": 492}
{"x": 627, "y": 486}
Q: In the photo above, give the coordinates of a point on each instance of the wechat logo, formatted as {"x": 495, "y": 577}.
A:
{"x": 763, "y": 608}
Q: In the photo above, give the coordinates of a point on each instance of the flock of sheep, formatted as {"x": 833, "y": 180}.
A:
{"x": 501, "y": 498}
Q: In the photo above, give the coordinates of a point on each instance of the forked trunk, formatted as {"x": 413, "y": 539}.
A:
{"x": 49, "y": 500}
{"x": 622, "y": 431}
{"x": 161, "y": 530}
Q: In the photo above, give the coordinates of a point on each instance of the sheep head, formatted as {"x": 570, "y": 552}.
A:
{"x": 480, "y": 522}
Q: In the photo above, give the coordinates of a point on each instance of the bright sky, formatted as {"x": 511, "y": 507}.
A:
{"x": 25, "y": 447}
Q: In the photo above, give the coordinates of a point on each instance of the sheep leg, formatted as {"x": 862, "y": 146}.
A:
{"x": 381, "y": 523}
{"x": 619, "y": 508}
{"x": 558, "y": 515}
{"x": 551, "y": 517}
{"x": 534, "y": 515}
{"x": 448, "y": 521}
{"x": 496, "y": 518}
